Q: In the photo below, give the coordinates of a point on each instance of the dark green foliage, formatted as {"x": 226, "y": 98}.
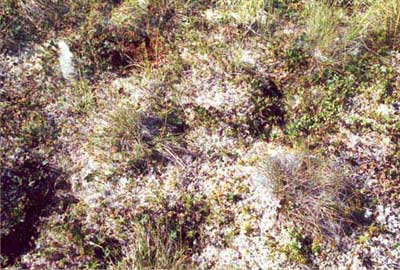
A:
{"x": 22, "y": 22}
{"x": 27, "y": 193}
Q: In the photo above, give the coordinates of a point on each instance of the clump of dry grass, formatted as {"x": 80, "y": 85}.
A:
{"x": 120, "y": 135}
{"x": 313, "y": 192}
{"x": 326, "y": 30}
{"x": 335, "y": 29}
{"x": 385, "y": 17}
{"x": 156, "y": 246}
{"x": 165, "y": 232}
{"x": 132, "y": 137}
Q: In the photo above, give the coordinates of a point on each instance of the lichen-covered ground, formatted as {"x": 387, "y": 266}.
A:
{"x": 206, "y": 134}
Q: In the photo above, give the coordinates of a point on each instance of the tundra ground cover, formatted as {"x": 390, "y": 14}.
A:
{"x": 200, "y": 134}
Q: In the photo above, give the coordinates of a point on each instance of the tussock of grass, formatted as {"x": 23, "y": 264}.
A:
{"x": 385, "y": 16}
{"x": 335, "y": 30}
{"x": 158, "y": 244}
{"x": 131, "y": 137}
{"x": 323, "y": 26}
{"x": 334, "y": 33}
{"x": 313, "y": 192}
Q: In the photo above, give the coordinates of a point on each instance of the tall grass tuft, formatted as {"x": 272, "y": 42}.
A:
{"x": 323, "y": 27}
{"x": 385, "y": 16}
{"x": 335, "y": 29}
{"x": 313, "y": 192}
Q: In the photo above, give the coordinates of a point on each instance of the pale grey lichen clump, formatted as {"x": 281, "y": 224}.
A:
{"x": 381, "y": 251}
{"x": 66, "y": 61}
